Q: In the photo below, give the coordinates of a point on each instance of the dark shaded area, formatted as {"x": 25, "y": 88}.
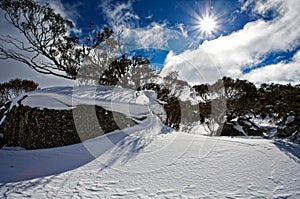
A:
{"x": 248, "y": 127}
{"x": 28, "y": 165}
{"x": 33, "y": 128}
{"x": 2, "y": 143}
{"x": 33, "y": 165}
{"x": 290, "y": 149}
{"x": 288, "y": 128}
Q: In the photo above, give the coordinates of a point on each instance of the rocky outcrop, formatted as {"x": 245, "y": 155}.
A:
{"x": 241, "y": 127}
{"x": 229, "y": 130}
{"x": 33, "y": 128}
{"x": 290, "y": 126}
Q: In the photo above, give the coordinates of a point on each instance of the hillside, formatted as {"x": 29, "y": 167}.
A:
{"x": 148, "y": 160}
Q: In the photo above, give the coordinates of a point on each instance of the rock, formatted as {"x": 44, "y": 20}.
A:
{"x": 33, "y": 128}
{"x": 296, "y": 136}
{"x": 241, "y": 127}
{"x": 249, "y": 127}
{"x": 288, "y": 127}
{"x": 229, "y": 130}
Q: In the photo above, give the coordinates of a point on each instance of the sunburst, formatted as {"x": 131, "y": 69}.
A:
{"x": 207, "y": 24}
{"x": 207, "y": 21}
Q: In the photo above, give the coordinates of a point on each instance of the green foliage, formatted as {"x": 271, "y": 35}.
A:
{"x": 128, "y": 72}
{"x": 240, "y": 95}
{"x": 277, "y": 101}
{"x": 243, "y": 100}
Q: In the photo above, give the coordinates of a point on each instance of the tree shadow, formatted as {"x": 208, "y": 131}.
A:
{"x": 292, "y": 150}
{"x": 133, "y": 144}
{"x": 17, "y": 166}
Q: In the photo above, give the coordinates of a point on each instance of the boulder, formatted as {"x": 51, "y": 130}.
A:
{"x": 241, "y": 127}
{"x": 229, "y": 130}
{"x": 34, "y": 128}
{"x": 289, "y": 126}
{"x": 249, "y": 127}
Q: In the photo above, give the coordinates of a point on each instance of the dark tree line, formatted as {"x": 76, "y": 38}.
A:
{"x": 277, "y": 101}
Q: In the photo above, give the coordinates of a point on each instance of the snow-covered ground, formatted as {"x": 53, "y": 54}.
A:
{"x": 145, "y": 165}
{"x": 148, "y": 160}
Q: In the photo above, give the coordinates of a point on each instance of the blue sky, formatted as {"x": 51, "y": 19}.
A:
{"x": 258, "y": 40}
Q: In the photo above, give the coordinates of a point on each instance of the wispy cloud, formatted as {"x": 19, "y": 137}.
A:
{"x": 154, "y": 35}
{"x": 122, "y": 17}
{"x": 182, "y": 28}
{"x": 66, "y": 10}
{"x": 119, "y": 15}
{"x": 278, "y": 73}
{"x": 149, "y": 16}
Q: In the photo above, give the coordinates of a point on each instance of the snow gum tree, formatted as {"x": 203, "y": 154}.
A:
{"x": 46, "y": 41}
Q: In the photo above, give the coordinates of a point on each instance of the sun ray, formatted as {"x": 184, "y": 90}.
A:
{"x": 207, "y": 21}
{"x": 207, "y": 24}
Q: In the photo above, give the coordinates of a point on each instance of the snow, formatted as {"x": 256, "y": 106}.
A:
{"x": 126, "y": 101}
{"x": 266, "y": 122}
{"x": 239, "y": 128}
{"x": 50, "y": 101}
{"x": 2, "y": 120}
{"x": 68, "y": 96}
{"x": 148, "y": 160}
{"x": 290, "y": 119}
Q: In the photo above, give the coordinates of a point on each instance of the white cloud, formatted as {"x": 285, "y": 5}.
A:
{"x": 264, "y": 7}
{"x": 149, "y": 16}
{"x": 182, "y": 29}
{"x": 154, "y": 35}
{"x": 193, "y": 66}
{"x": 278, "y": 73}
{"x": 121, "y": 17}
{"x": 229, "y": 55}
{"x": 66, "y": 10}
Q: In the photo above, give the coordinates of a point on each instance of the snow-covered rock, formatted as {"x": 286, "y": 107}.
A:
{"x": 61, "y": 116}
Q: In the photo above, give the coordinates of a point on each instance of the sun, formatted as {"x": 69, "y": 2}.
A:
{"x": 207, "y": 24}
{"x": 207, "y": 21}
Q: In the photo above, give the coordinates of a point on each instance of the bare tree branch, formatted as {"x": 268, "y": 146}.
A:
{"x": 49, "y": 48}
